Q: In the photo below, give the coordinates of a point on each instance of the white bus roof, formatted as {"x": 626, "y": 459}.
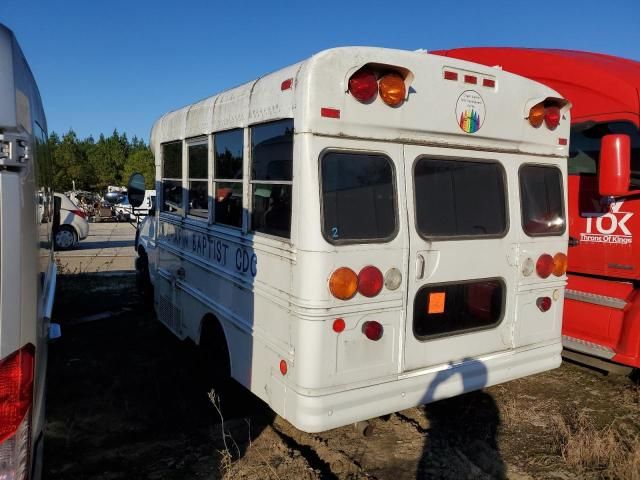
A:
{"x": 428, "y": 116}
{"x": 20, "y": 103}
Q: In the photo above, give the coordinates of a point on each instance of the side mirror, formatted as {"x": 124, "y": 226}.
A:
{"x": 135, "y": 189}
{"x": 614, "y": 170}
{"x": 57, "y": 204}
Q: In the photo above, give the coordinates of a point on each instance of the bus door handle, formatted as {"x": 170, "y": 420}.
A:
{"x": 419, "y": 266}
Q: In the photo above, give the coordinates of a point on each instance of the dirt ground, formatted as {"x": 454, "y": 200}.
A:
{"x": 125, "y": 402}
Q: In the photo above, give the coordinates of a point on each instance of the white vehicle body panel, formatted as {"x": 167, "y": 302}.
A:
{"x": 271, "y": 295}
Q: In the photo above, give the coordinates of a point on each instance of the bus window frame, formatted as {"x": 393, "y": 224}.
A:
{"x": 161, "y": 203}
{"x": 250, "y": 182}
{"x": 213, "y": 180}
{"x": 562, "y": 200}
{"x": 394, "y": 182}
{"x": 192, "y": 142}
{"x": 455, "y": 238}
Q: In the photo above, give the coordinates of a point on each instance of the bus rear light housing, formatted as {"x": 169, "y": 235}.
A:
{"x": 543, "y": 303}
{"x": 343, "y": 283}
{"x": 363, "y": 85}
{"x": 552, "y": 117}
{"x": 392, "y": 89}
{"x": 370, "y": 281}
{"x": 560, "y": 263}
{"x": 544, "y": 265}
{"x": 372, "y": 330}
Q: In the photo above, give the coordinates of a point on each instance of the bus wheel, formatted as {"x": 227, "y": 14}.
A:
{"x": 214, "y": 356}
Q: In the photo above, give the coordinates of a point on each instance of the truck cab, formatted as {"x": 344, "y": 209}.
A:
{"x": 602, "y": 304}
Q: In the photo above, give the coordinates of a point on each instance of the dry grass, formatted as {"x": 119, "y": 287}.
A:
{"x": 604, "y": 451}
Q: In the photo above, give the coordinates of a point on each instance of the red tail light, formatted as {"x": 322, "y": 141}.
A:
{"x": 544, "y": 265}
{"x": 363, "y": 85}
{"x": 372, "y": 330}
{"x": 16, "y": 389}
{"x": 543, "y": 303}
{"x": 370, "y": 281}
{"x": 552, "y": 117}
{"x": 80, "y": 213}
{"x": 339, "y": 325}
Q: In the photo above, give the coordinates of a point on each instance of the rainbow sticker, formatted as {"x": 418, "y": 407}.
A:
{"x": 470, "y": 111}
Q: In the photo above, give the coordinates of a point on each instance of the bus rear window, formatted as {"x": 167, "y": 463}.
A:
{"x": 542, "y": 200}
{"x": 459, "y": 198}
{"x": 358, "y": 197}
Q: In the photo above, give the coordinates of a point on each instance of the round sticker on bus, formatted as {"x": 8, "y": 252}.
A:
{"x": 470, "y": 111}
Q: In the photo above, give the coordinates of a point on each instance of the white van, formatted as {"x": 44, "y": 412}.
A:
{"x": 27, "y": 270}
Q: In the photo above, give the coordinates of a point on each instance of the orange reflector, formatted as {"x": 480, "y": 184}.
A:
{"x": 544, "y": 265}
{"x": 339, "y": 325}
{"x": 392, "y": 89}
{"x": 283, "y": 367}
{"x": 436, "y": 302}
{"x": 343, "y": 283}
{"x": 536, "y": 115}
{"x": 330, "y": 112}
{"x": 559, "y": 264}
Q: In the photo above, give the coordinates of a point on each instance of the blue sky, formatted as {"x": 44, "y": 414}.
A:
{"x": 121, "y": 64}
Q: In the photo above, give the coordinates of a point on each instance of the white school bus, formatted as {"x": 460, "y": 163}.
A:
{"x": 365, "y": 231}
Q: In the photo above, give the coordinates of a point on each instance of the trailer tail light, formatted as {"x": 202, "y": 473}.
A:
{"x": 543, "y": 304}
{"x": 363, "y": 85}
{"x": 552, "y": 117}
{"x": 372, "y": 330}
{"x": 560, "y": 263}
{"x": 80, "y": 213}
{"x": 343, "y": 283}
{"x": 16, "y": 398}
{"x": 536, "y": 115}
{"x": 544, "y": 265}
{"x": 370, "y": 281}
{"x": 392, "y": 89}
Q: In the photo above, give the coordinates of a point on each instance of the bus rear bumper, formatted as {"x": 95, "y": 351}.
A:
{"x": 318, "y": 413}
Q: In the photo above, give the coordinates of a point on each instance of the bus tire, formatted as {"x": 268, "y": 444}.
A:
{"x": 214, "y": 356}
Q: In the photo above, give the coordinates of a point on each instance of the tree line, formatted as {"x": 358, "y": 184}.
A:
{"x": 94, "y": 165}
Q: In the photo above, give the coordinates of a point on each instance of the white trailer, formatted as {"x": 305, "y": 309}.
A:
{"x": 27, "y": 270}
{"x": 365, "y": 231}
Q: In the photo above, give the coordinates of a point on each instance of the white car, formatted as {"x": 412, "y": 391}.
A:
{"x": 73, "y": 224}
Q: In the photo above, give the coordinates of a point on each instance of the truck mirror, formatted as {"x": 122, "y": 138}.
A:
{"x": 135, "y": 189}
{"x": 614, "y": 171}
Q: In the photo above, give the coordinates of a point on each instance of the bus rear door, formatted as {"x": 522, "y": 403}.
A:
{"x": 462, "y": 272}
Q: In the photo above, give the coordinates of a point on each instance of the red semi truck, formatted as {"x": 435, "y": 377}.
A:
{"x": 602, "y": 303}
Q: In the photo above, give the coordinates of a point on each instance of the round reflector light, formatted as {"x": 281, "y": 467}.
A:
{"x": 559, "y": 264}
{"x": 536, "y": 115}
{"x": 544, "y": 265}
{"x": 552, "y": 117}
{"x": 283, "y": 367}
{"x": 343, "y": 283}
{"x": 392, "y": 89}
{"x": 372, "y": 330}
{"x": 543, "y": 303}
{"x": 393, "y": 279}
{"x": 339, "y": 325}
{"x": 370, "y": 281}
{"x": 363, "y": 86}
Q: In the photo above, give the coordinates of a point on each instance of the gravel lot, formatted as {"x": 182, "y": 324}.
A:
{"x": 125, "y": 402}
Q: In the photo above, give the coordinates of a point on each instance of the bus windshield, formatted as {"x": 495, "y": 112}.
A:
{"x": 584, "y": 150}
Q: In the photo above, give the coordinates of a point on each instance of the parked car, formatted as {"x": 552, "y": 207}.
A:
{"x": 73, "y": 224}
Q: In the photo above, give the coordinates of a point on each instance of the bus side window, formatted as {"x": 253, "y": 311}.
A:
{"x": 172, "y": 178}
{"x": 227, "y": 182}
{"x": 271, "y": 177}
